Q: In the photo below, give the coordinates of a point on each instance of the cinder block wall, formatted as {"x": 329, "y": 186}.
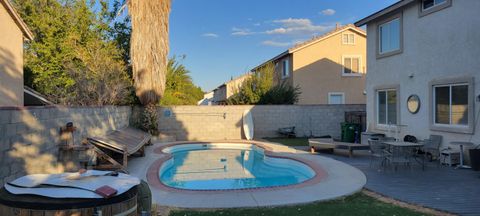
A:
{"x": 29, "y": 137}
{"x": 225, "y": 122}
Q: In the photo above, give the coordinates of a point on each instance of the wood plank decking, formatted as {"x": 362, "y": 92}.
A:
{"x": 439, "y": 187}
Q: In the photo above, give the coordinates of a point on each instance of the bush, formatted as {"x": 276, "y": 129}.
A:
{"x": 281, "y": 94}
{"x": 149, "y": 120}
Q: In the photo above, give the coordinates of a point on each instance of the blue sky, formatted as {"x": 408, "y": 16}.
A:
{"x": 226, "y": 38}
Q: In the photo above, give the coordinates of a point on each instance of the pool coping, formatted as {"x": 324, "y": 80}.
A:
{"x": 154, "y": 169}
{"x": 342, "y": 180}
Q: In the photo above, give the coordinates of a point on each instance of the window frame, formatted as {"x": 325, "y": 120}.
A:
{"x": 454, "y": 128}
{"x": 398, "y": 16}
{"x": 336, "y": 93}
{"x": 360, "y": 65}
{"x": 347, "y": 34}
{"x": 285, "y": 75}
{"x": 396, "y": 88}
{"x": 423, "y": 12}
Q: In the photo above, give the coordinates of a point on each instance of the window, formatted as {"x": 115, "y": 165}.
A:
{"x": 285, "y": 69}
{"x": 427, "y": 4}
{"x": 387, "y": 106}
{"x": 430, "y": 6}
{"x": 351, "y": 65}
{"x": 336, "y": 98}
{"x": 389, "y": 36}
{"x": 348, "y": 38}
{"x": 451, "y": 104}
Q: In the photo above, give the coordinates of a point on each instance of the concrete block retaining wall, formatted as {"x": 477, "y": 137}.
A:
{"x": 29, "y": 137}
{"x": 225, "y": 122}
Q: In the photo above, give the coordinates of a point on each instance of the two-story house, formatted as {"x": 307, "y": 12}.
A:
{"x": 14, "y": 32}
{"x": 329, "y": 69}
{"x": 207, "y": 99}
{"x": 424, "y": 69}
{"x": 227, "y": 89}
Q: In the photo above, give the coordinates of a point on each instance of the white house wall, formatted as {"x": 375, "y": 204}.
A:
{"x": 443, "y": 44}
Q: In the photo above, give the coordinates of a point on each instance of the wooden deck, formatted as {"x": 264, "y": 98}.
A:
{"x": 438, "y": 187}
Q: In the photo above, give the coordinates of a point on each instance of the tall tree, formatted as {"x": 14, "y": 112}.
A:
{"x": 180, "y": 89}
{"x": 73, "y": 60}
{"x": 149, "y": 47}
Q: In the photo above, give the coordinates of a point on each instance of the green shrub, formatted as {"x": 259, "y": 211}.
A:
{"x": 260, "y": 88}
{"x": 281, "y": 94}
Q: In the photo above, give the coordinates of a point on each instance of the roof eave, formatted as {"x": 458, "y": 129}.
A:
{"x": 18, "y": 20}
{"x": 37, "y": 95}
{"x": 279, "y": 56}
{"x": 383, "y": 12}
{"x": 338, "y": 31}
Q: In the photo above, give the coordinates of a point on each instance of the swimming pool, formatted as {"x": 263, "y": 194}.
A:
{"x": 226, "y": 166}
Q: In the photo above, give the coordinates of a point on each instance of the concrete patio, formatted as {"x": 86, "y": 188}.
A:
{"x": 341, "y": 180}
{"x": 439, "y": 187}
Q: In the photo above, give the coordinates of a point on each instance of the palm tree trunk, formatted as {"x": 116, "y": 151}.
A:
{"x": 149, "y": 47}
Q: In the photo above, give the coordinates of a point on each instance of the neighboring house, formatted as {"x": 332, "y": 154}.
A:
{"x": 207, "y": 99}
{"x": 224, "y": 91}
{"x": 14, "y": 32}
{"x": 329, "y": 69}
{"x": 427, "y": 48}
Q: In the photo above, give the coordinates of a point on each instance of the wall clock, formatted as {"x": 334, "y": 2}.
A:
{"x": 413, "y": 104}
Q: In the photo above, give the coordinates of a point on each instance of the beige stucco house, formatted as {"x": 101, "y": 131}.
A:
{"x": 207, "y": 99}
{"x": 14, "y": 32}
{"x": 329, "y": 69}
{"x": 427, "y": 48}
{"x": 227, "y": 89}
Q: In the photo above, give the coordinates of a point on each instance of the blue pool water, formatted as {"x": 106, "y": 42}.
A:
{"x": 219, "y": 169}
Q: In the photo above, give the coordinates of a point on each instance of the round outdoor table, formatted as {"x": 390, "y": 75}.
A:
{"x": 123, "y": 204}
{"x": 461, "y": 144}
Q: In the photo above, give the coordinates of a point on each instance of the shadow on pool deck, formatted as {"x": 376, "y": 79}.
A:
{"x": 438, "y": 187}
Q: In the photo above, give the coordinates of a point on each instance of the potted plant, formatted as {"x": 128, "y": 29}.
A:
{"x": 475, "y": 158}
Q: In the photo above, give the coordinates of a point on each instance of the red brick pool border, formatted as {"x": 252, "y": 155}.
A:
{"x": 154, "y": 169}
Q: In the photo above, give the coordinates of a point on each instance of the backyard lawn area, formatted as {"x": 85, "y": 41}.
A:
{"x": 358, "y": 204}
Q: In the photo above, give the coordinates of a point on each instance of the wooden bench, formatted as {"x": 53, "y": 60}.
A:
{"x": 329, "y": 143}
{"x": 126, "y": 142}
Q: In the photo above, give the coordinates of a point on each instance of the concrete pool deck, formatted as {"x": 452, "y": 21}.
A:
{"x": 341, "y": 180}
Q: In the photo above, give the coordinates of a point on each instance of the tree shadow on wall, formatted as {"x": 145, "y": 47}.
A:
{"x": 30, "y": 136}
{"x": 11, "y": 78}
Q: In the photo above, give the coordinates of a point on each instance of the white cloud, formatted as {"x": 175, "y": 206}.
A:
{"x": 276, "y": 43}
{"x": 328, "y": 12}
{"x": 293, "y": 26}
{"x": 292, "y": 22}
{"x": 290, "y": 27}
{"x": 277, "y": 31}
{"x": 210, "y": 35}
{"x": 241, "y": 31}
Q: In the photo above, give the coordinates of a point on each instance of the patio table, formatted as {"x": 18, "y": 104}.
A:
{"x": 402, "y": 146}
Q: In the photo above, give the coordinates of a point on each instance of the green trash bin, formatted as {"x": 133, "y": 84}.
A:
{"x": 349, "y": 131}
